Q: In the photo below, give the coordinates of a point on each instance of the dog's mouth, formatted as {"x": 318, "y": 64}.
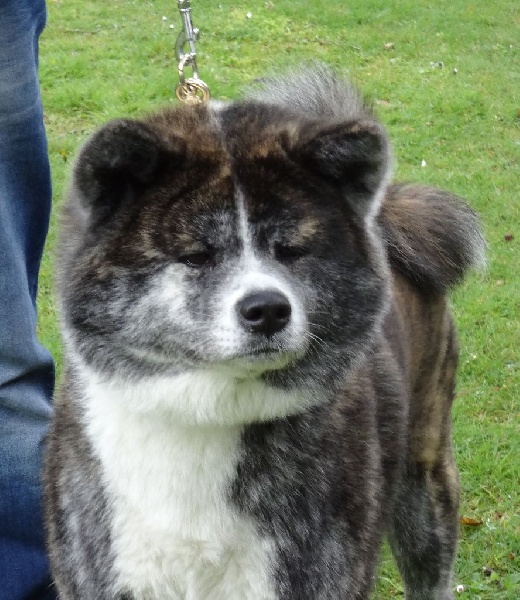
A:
{"x": 261, "y": 352}
{"x": 253, "y": 359}
{"x": 266, "y": 349}
{"x": 263, "y": 358}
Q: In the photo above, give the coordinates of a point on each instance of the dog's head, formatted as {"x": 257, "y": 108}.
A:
{"x": 237, "y": 238}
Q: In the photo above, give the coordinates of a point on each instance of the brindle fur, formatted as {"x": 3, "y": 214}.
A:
{"x": 374, "y": 455}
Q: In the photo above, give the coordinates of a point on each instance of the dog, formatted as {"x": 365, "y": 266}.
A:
{"x": 259, "y": 358}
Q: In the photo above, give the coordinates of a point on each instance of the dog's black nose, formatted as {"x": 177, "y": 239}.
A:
{"x": 264, "y": 312}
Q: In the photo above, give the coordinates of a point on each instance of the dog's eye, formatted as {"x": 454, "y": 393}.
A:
{"x": 197, "y": 260}
{"x": 284, "y": 253}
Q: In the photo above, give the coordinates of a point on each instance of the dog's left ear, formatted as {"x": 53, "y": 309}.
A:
{"x": 121, "y": 155}
{"x": 355, "y": 154}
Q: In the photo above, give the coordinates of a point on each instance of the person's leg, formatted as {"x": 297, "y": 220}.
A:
{"x": 26, "y": 369}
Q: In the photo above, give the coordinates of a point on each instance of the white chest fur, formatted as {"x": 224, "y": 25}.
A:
{"x": 175, "y": 533}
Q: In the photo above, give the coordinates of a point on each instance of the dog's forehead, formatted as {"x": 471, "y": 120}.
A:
{"x": 233, "y": 153}
{"x": 224, "y": 133}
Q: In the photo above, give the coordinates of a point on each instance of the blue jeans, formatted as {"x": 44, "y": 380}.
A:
{"x": 26, "y": 368}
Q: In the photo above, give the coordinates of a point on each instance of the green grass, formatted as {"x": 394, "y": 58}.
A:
{"x": 105, "y": 59}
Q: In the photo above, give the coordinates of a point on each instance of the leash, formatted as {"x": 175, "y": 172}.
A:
{"x": 189, "y": 90}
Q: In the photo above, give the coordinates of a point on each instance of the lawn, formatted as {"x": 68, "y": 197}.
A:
{"x": 445, "y": 79}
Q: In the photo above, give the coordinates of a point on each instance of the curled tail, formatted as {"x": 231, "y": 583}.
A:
{"x": 433, "y": 237}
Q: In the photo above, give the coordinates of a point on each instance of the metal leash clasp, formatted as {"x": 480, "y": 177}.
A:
{"x": 190, "y": 90}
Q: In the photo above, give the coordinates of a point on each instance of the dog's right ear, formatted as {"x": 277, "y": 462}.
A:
{"x": 122, "y": 156}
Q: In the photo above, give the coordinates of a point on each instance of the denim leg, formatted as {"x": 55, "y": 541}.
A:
{"x": 26, "y": 368}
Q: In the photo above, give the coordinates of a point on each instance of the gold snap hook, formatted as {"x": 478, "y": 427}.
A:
{"x": 193, "y": 91}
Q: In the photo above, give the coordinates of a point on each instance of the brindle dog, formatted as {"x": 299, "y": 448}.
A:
{"x": 259, "y": 357}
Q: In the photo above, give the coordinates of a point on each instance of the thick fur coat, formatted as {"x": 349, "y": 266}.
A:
{"x": 259, "y": 357}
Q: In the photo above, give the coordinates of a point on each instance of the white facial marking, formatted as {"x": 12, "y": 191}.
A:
{"x": 244, "y": 229}
{"x": 253, "y": 274}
